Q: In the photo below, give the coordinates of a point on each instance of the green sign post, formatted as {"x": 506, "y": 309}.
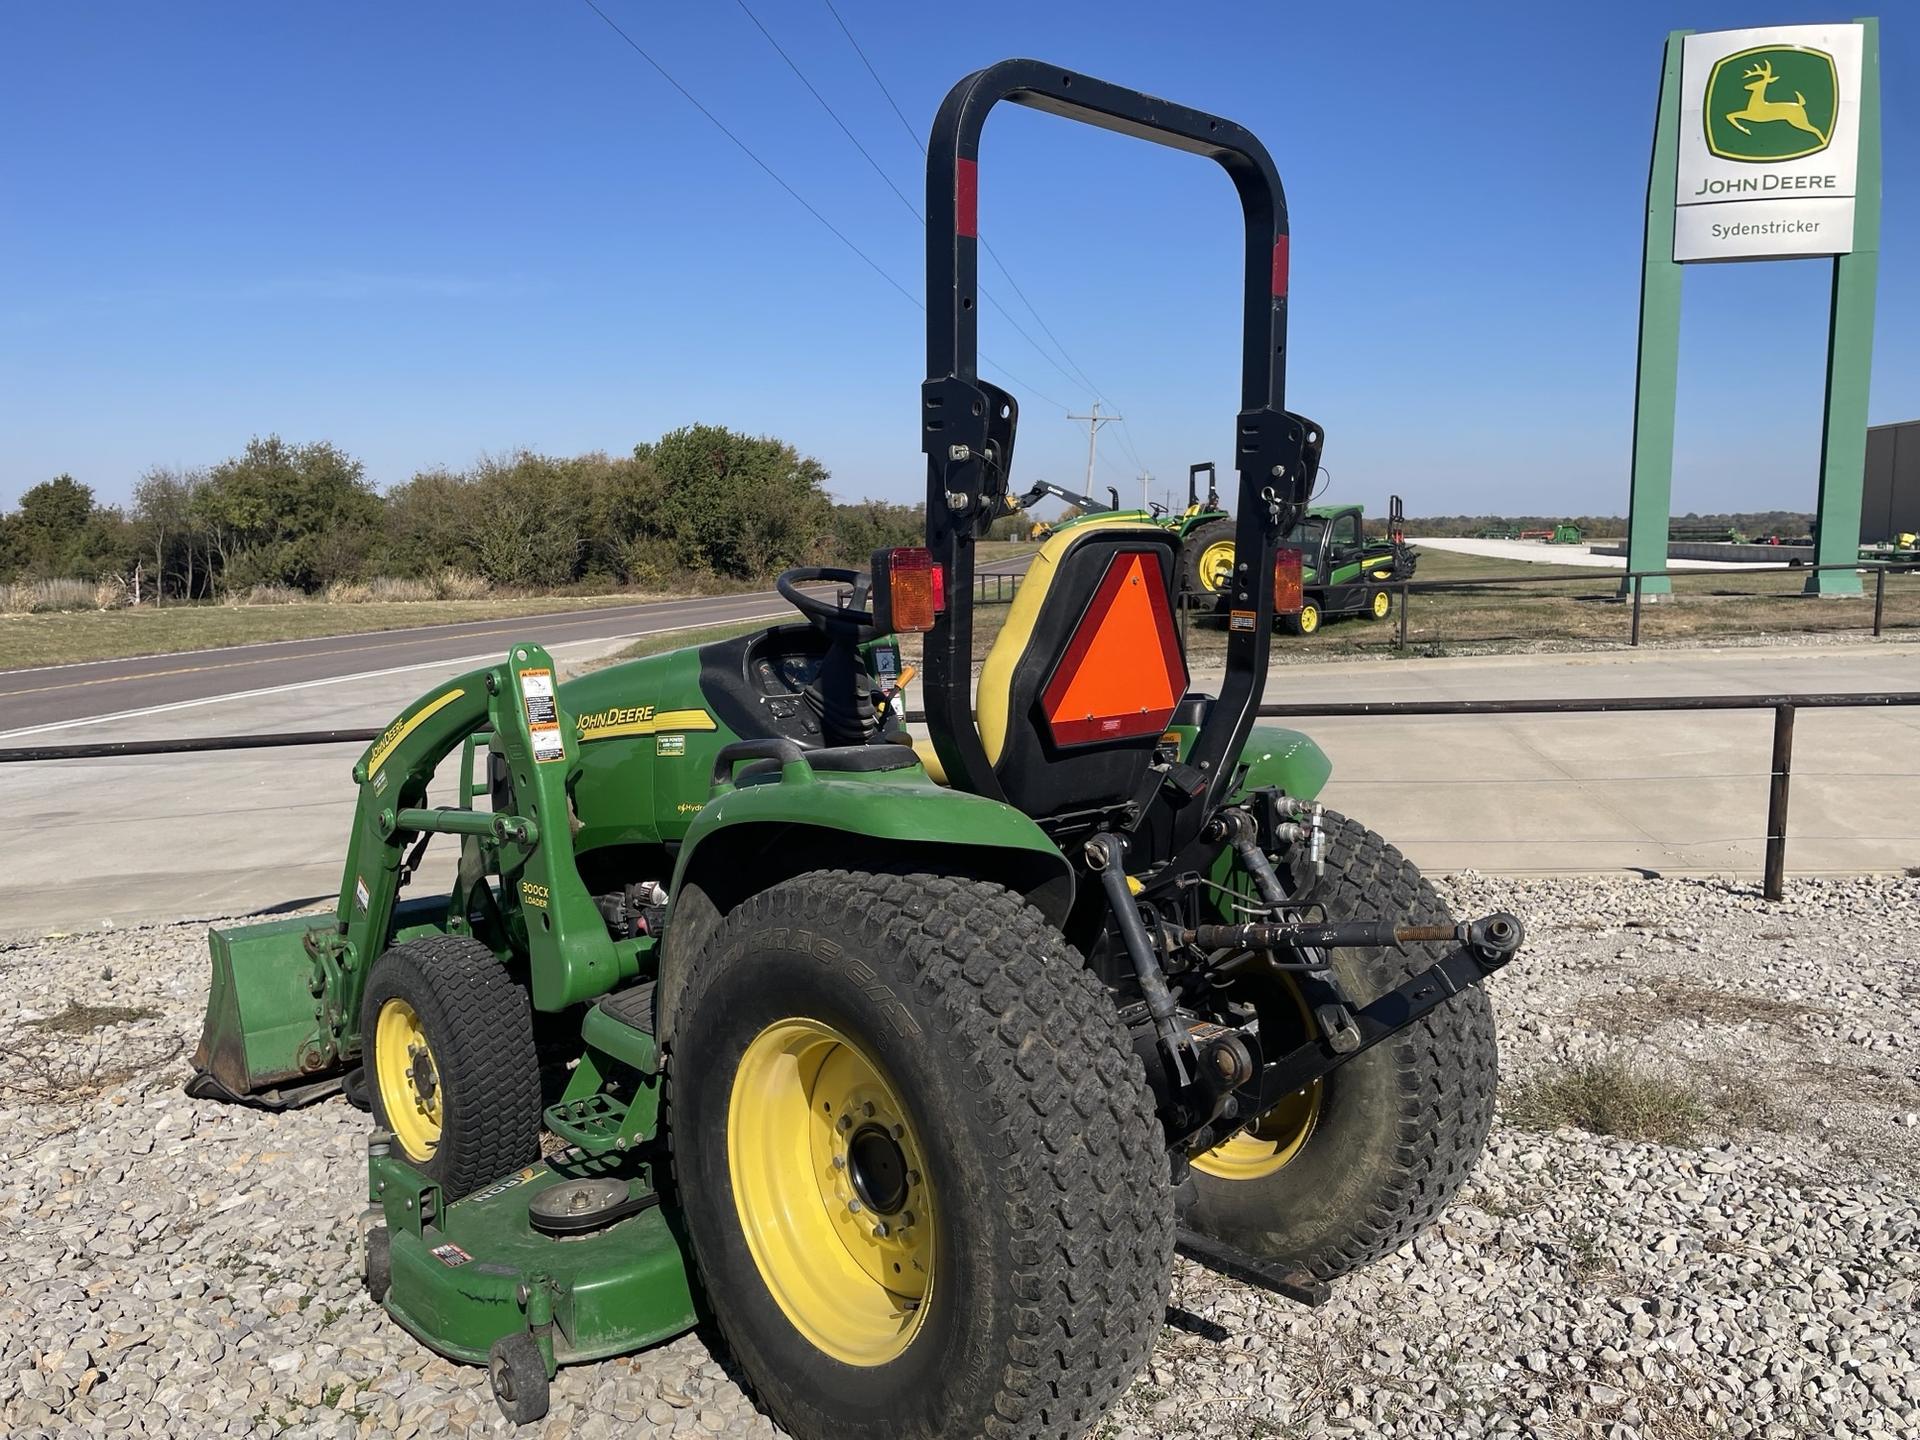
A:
{"x": 1766, "y": 147}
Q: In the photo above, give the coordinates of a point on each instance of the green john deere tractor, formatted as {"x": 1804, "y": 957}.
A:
{"x": 1338, "y": 570}
{"x": 905, "y": 1063}
{"x": 1206, "y": 540}
{"x": 1204, "y": 529}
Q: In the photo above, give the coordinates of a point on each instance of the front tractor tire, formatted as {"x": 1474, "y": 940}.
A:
{"x": 1348, "y": 1171}
{"x": 1306, "y": 621}
{"x": 447, "y": 1045}
{"x": 1206, "y": 560}
{"x": 918, "y": 1160}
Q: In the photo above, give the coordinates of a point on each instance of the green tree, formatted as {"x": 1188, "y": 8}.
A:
{"x": 59, "y": 533}
{"x": 301, "y": 515}
{"x": 526, "y": 521}
{"x": 736, "y": 505}
{"x": 860, "y": 529}
{"x": 52, "y": 530}
{"x": 162, "y": 523}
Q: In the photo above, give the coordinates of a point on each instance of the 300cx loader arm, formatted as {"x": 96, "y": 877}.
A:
{"x": 284, "y": 1007}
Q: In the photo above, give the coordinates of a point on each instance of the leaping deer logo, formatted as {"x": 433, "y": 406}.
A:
{"x": 1761, "y": 110}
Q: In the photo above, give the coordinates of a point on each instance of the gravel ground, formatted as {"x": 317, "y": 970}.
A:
{"x": 184, "y": 1268}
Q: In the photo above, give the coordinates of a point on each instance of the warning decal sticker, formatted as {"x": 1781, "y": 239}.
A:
{"x": 543, "y": 715}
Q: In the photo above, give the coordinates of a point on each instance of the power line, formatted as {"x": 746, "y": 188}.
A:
{"x": 853, "y": 139}
{"x": 993, "y": 254}
{"x": 802, "y": 200}
{"x": 748, "y": 151}
{"x": 905, "y": 124}
{"x": 912, "y": 209}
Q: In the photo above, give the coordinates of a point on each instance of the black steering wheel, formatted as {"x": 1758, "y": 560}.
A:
{"x": 827, "y": 615}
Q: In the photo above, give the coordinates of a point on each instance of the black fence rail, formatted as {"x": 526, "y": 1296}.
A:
{"x": 1634, "y": 582}
{"x": 1779, "y": 772}
{"x": 1628, "y": 587}
{"x": 995, "y": 588}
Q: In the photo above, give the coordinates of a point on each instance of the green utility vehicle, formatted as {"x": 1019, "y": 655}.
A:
{"x": 905, "y": 1063}
{"x": 1341, "y": 571}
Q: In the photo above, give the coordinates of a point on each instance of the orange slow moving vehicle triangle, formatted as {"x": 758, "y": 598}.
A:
{"x": 1122, "y": 674}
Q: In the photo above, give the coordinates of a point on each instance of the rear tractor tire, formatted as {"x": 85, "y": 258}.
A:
{"x": 1354, "y": 1167}
{"x": 919, "y": 1162}
{"x": 452, "y": 1071}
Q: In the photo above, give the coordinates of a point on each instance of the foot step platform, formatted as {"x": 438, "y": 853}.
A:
{"x": 603, "y": 1108}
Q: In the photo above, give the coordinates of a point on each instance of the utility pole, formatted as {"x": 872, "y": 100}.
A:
{"x": 1146, "y": 482}
{"x": 1094, "y": 422}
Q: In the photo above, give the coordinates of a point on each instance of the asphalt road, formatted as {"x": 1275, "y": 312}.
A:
{"x": 63, "y": 697}
{"x": 45, "y": 700}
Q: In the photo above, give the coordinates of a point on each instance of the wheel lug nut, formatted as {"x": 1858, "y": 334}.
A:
{"x": 899, "y": 1131}
{"x": 913, "y": 1177}
{"x": 880, "y": 1231}
{"x": 846, "y": 1123}
{"x": 854, "y": 1207}
{"x": 839, "y": 1162}
{"x": 868, "y": 1107}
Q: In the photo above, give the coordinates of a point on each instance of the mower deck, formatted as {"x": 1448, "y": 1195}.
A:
{"x": 467, "y": 1275}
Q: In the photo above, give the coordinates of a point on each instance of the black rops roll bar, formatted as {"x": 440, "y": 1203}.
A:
{"x": 968, "y": 424}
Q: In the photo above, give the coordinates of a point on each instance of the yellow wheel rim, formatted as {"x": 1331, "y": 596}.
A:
{"x": 1381, "y": 604}
{"x": 1216, "y": 566}
{"x": 1309, "y": 619}
{"x": 832, "y": 1188}
{"x": 1260, "y": 1150}
{"x": 409, "y": 1079}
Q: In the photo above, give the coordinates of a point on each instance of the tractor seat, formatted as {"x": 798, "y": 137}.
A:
{"x": 1083, "y": 678}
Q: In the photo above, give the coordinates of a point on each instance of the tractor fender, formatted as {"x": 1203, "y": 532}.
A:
{"x": 746, "y": 840}
{"x": 1287, "y": 759}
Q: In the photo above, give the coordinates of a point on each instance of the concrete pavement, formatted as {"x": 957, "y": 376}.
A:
{"x": 1538, "y": 552}
{"x": 139, "y": 839}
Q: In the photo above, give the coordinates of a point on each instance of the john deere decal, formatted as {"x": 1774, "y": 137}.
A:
{"x": 1771, "y": 103}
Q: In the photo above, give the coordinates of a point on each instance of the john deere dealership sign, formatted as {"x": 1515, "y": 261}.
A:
{"x": 1769, "y": 137}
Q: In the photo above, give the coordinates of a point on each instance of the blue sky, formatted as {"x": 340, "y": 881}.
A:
{"x": 426, "y": 231}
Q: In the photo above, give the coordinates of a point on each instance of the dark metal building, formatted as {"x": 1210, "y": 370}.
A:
{"x": 1890, "y": 498}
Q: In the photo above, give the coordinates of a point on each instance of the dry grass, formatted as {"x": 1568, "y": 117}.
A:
{"x": 42, "y": 597}
{"x": 1610, "y": 1097}
{"x": 68, "y": 1056}
{"x": 80, "y": 1018}
{"x": 1665, "y": 997}
{"x": 459, "y": 585}
{"x": 265, "y": 595}
{"x": 55, "y": 639}
{"x": 388, "y": 588}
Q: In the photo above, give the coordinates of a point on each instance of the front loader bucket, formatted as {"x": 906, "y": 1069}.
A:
{"x": 262, "y": 1043}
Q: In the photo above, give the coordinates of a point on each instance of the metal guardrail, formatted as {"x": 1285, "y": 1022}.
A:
{"x": 1780, "y": 769}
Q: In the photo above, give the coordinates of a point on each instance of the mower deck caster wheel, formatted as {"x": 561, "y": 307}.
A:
{"x": 379, "y": 1265}
{"x": 519, "y": 1378}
